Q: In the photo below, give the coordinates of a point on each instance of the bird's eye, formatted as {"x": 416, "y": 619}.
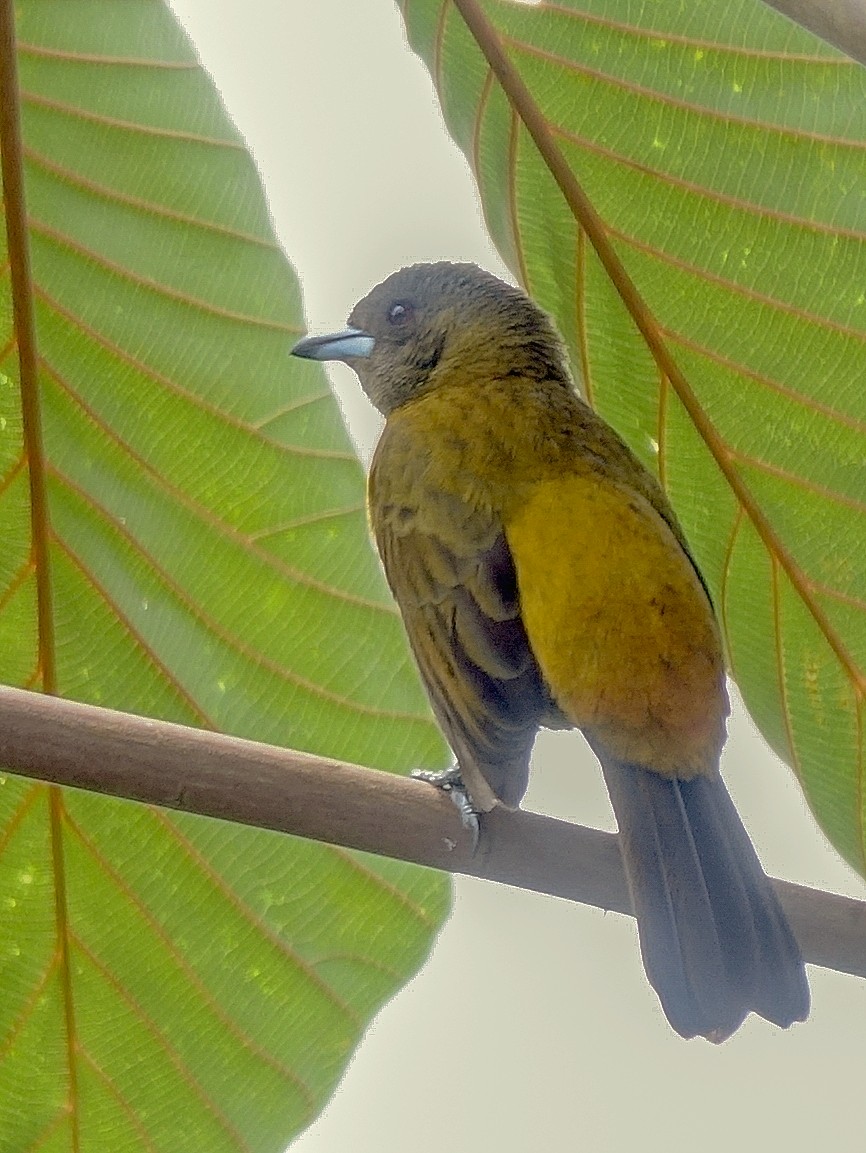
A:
{"x": 400, "y": 313}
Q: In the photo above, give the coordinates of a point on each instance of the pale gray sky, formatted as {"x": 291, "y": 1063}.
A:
{"x": 532, "y": 1027}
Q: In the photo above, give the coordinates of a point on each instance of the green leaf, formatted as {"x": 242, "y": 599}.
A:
{"x": 725, "y": 149}
{"x": 175, "y": 983}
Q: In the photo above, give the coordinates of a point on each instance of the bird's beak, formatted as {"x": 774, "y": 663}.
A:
{"x": 346, "y": 345}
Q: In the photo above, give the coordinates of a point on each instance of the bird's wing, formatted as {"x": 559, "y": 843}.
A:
{"x": 462, "y": 616}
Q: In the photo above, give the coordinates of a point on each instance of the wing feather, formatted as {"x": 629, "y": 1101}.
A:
{"x": 462, "y": 617}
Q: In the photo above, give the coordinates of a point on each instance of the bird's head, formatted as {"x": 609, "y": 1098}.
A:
{"x": 433, "y": 323}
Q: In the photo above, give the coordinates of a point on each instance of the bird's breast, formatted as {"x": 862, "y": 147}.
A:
{"x": 620, "y": 624}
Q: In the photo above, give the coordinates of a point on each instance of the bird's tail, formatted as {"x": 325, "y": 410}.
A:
{"x": 715, "y": 942}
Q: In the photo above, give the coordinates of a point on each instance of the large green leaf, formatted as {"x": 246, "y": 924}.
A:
{"x": 725, "y": 149}
{"x": 169, "y": 983}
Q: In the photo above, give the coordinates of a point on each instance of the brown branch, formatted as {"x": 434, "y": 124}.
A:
{"x": 253, "y": 784}
{"x": 841, "y": 23}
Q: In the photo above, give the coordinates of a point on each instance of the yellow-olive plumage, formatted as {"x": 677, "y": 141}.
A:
{"x": 544, "y": 580}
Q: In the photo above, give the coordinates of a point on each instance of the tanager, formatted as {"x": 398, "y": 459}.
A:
{"x": 544, "y": 580}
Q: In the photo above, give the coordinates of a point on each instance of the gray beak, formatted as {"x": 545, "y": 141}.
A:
{"x": 346, "y": 345}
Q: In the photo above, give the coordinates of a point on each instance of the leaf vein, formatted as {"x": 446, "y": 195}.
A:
{"x": 26, "y": 48}
{"x": 121, "y": 1100}
{"x": 225, "y": 636}
{"x": 261, "y": 926}
{"x": 662, "y": 428}
{"x": 202, "y": 718}
{"x": 188, "y": 969}
{"x": 179, "y": 1064}
{"x": 56, "y": 809}
{"x": 302, "y": 521}
{"x": 174, "y": 387}
{"x": 244, "y": 541}
{"x": 16, "y": 469}
{"x": 807, "y": 402}
{"x": 513, "y": 206}
{"x": 653, "y": 96}
{"x": 31, "y": 795}
{"x": 737, "y": 289}
{"x": 781, "y": 672}
{"x": 199, "y": 304}
{"x": 24, "y": 571}
{"x": 580, "y": 295}
{"x": 705, "y": 192}
{"x": 77, "y": 113}
{"x": 725, "y": 585}
{"x": 28, "y": 1008}
{"x": 831, "y": 593}
{"x": 147, "y": 207}
{"x": 396, "y": 894}
{"x": 801, "y": 482}
{"x": 295, "y": 405}
{"x": 47, "y": 1133}
{"x": 635, "y": 31}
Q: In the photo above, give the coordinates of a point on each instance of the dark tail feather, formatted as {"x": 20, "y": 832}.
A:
{"x": 714, "y": 940}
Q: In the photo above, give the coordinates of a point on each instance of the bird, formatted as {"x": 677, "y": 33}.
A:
{"x": 544, "y": 580}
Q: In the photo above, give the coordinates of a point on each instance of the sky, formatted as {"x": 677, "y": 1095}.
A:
{"x": 532, "y": 1026}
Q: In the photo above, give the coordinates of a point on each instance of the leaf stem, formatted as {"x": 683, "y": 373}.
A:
{"x": 18, "y": 242}
{"x": 12, "y": 163}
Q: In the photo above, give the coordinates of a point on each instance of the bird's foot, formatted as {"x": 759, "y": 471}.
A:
{"x": 445, "y": 779}
{"x": 450, "y": 782}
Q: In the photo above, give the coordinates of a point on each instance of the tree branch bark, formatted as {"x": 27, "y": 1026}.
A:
{"x": 841, "y": 23}
{"x": 195, "y": 771}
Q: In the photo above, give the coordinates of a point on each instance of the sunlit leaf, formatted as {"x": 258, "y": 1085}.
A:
{"x": 175, "y": 983}
{"x": 725, "y": 148}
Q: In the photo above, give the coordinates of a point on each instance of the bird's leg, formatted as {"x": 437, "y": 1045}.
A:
{"x": 451, "y": 782}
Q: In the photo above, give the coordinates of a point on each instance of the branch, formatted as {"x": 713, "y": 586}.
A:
{"x": 841, "y": 23}
{"x": 271, "y": 788}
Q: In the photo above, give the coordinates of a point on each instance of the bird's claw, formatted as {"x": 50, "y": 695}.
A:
{"x": 444, "y": 779}
{"x": 450, "y": 782}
